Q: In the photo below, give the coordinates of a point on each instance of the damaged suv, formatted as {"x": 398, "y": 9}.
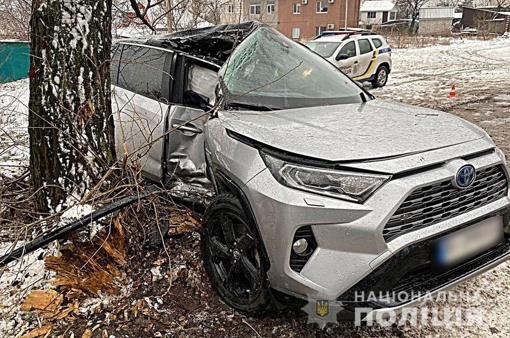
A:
{"x": 315, "y": 190}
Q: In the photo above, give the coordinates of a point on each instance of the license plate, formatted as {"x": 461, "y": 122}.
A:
{"x": 451, "y": 250}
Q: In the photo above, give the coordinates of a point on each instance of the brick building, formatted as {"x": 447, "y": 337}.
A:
{"x": 265, "y": 11}
{"x": 304, "y": 19}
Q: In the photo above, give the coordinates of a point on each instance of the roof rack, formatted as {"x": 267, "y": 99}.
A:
{"x": 347, "y": 32}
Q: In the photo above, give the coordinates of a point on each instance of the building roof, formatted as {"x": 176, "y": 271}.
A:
{"x": 437, "y": 13}
{"x": 377, "y": 6}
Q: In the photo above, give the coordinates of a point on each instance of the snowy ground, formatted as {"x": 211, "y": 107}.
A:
{"x": 421, "y": 76}
{"x": 14, "y": 151}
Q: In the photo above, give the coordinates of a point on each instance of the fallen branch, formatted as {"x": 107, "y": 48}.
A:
{"x": 73, "y": 226}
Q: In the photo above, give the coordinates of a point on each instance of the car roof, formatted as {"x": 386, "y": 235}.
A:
{"x": 213, "y": 44}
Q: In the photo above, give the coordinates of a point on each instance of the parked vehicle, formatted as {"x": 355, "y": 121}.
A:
{"x": 364, "y": 56}
{"x": 320, "y": 190}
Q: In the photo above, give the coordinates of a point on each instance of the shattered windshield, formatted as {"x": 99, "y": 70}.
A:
{"x": 269, "y": 70}
{"x": 324, "y": 49}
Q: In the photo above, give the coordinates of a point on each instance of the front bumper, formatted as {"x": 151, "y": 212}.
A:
{"x": 350, "y": 244}
{"x": 394, "y": 310}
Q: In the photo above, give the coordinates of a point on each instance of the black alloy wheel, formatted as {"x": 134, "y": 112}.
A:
{"x": 233, "y": 256}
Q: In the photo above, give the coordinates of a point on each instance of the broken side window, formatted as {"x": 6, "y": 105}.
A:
{"x": 202, "y": 80}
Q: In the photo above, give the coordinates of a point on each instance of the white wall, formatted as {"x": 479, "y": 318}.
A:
{"x": 363, "y": 16}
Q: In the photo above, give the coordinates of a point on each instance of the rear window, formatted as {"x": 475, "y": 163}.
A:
{"x": 364, "y": 46}
{"x": 142, "y": 70}
{"x": 377, "y": 43}
{"x": 324, "y": 49}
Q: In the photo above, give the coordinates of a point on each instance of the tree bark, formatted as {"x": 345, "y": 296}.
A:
{"x": 70, "y": 121}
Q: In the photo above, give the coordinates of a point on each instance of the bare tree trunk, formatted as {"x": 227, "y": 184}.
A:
{"x": 70, "y": 122}
{"x": 169, "y": 16}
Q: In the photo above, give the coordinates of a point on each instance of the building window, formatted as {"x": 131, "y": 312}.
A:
{"x": 322, "y": 7}
{"x": 254, "y": 9}
{"x": 296, "y": 32}
{"x": 230, "y": 9}
{"x": 297, "y": 8}
{"x": 270, "y": 7}
{"x": 371, "y": 15}
{"x": 320, "y": 29}
{"x": 392, "y": 15}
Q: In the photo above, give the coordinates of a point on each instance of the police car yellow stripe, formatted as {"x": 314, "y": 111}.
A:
{"x": 372, "y": 63}
{"x": 367, "y": 71}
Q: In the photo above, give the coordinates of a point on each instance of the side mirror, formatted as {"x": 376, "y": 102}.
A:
{"x": 342, "y": 56}
{"x": 196, "y": 99}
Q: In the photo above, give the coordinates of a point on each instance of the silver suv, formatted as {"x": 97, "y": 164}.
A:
{"x": 315, "y": 189}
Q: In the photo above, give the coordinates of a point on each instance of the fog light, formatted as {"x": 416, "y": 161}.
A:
{"x": 300, "y": 246}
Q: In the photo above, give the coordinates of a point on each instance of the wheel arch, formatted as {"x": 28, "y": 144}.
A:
{"x": 225, "y": 185}
{"x": 385, "y": 63}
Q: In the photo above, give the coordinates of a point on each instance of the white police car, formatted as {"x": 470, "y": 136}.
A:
{"x": 362, "y": 55}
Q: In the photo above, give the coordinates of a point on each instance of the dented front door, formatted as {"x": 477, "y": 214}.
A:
{"x": 185, "y": 157}
{"x": 185, "y": 150}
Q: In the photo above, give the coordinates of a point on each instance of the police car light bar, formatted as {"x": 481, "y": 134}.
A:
{"x": 347, "y": 33}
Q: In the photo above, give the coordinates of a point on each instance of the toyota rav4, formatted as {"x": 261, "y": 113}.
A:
{"x": 315, "y": 189}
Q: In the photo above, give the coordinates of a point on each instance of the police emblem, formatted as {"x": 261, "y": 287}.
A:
{"x": 322, "y": 311}
{"x": 322, "y": 308}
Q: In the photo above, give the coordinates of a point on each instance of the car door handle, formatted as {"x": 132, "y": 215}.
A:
{"x": 355, "y": 62}
{"x": 188, "y": 128}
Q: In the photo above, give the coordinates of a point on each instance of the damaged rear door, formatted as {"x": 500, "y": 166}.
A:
{"x": 140, "y": 102}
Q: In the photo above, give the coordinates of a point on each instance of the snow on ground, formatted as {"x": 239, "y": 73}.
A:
{"x": 14, "y": 152}
{"x": 21, "y": 276}
{"x": 424, "y": 76}
{"x": 16, "y": 282}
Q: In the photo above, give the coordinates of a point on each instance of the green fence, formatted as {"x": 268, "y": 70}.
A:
{"x": 14, "y": 61}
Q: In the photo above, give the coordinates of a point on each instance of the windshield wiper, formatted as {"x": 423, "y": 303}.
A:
{"x": 249, "y": 106}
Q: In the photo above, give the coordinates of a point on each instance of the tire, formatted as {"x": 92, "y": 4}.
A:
{"x": 233, "y": 253}
{"x": 381, "y": 77}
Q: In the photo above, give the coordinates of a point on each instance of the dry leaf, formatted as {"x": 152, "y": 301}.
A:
{"x": 87, "y": 333}
{"x": 159, "y": 261}
{"x": 38, "y": 332}
{"x": 64, "y": 313}
{"x": 46, "y": 300}
{"x": 137, "y": 306}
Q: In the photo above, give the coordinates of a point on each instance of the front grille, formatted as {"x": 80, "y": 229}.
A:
{"x": 440, "y": 201}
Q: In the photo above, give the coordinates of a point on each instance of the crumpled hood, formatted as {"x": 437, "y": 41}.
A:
{"x": 353, "y": 132}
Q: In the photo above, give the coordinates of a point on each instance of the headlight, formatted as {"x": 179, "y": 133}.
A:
{"x": 335, "y": 183}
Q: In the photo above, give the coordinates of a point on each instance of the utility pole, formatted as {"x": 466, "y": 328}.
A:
{"x": 346, "y": 11}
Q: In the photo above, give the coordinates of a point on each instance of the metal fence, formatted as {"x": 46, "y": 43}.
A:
{"x": 14, "y": 60}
